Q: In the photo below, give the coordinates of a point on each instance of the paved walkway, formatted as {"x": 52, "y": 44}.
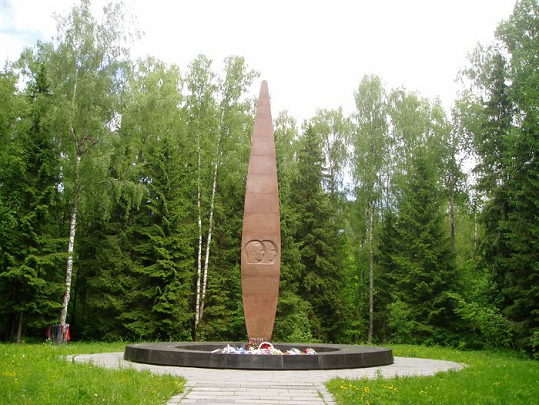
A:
{"x": 213, "y": 386}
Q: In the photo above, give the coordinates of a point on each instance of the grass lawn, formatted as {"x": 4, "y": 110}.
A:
{"x": 489, "y": 378}
{"x": 40, "y": 374}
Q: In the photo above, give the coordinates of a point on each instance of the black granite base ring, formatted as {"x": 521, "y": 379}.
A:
{"x": 193, "y": 354}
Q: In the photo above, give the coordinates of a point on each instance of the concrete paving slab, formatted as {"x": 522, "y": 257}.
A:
{"x": 304, "y": 387}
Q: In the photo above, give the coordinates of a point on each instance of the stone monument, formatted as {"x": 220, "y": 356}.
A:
{"x": 260, "y": 267}
{"x": 261, "y": 235}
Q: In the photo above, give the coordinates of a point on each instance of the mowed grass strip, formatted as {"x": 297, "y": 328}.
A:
{"x": 489, "y": 378}
{"x": 40, "y": 374}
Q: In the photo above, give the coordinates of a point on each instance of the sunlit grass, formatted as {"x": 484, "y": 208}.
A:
{"x": 40, "y": 374}
{"x": 489, "y": 378}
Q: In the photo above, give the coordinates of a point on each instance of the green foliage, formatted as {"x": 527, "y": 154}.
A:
{"x": 334, "y": 130}
{"x": 223, "y": 311}
{"x": 493, "y": 329}
{"x": 423, "y": 269}
{"x": 320, "y": 244}
{"x": 158, "y": 271}
{"x": 380, "y": 232}
{"x": 292, "y": 321}
{"x": 31, "y": 208}
{"x": 400, "y": 319}
{"x": 506, "y": 138}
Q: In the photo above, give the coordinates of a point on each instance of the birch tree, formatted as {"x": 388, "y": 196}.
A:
{"x": 202, "y": 127}
{"x": 223, "y": 288}
{"x": 334, "y": 129}
{"x": 88, "y": 64}
{"x": 214, "y": 107}
{"x": 371, "y": 153}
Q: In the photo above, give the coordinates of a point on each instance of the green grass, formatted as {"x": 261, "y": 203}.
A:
{"x": 40, "y": 374}
{"x": 489, "y": 378}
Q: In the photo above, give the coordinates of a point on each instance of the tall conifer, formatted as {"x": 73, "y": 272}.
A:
{"x": 424, "y": 271}
{"x": 320, "y": 243}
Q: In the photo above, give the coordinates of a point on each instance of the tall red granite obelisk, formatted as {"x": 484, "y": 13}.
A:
{"x": 261, "y": 236}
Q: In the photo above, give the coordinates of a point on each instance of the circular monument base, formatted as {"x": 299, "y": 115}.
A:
{"x": 200, "y": 355}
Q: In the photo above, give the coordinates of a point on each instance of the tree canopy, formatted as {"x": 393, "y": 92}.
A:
{"x": 122, "y": 187}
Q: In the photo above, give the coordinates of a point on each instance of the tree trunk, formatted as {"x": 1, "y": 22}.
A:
{"x": 208, "y": 239}
{"x": 201, "y": 289}
{"x": 73, "y": 223}
{"x": 199, "y": 250}
{"x": 452, "y": 210}
{"x": 19, "y": 329}
{"x": 371, "y": 273}
{"x": 475, "y": 233}
{"x": 71, "y": 244}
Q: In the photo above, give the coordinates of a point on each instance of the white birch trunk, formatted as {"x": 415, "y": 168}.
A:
{"x": 73, "y": 223}
{"x": 71, "y": 244}
{"x": 208, "y": 240}
{"x": 202, "y": 279}
{"x": 199, "y": 250}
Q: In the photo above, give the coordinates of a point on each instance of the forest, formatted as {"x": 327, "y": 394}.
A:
{"x": 122, "y": 185}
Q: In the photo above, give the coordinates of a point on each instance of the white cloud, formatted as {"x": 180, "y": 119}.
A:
{"x": 313, "y": 53}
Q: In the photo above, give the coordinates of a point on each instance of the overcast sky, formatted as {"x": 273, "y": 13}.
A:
{"x": 312, "y": 53}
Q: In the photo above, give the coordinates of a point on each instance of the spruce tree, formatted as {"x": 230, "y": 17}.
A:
{"x": 291, "y": 321}
{"x": 424, "y": 273}
{"x": 507, "y": 145}
{"x": 320, "y": 243}
{"x": 162, "y": 253}
{"x": 154, "y": 240}
{"x": 31, "y": 210}
{"x": 388, "y": 247}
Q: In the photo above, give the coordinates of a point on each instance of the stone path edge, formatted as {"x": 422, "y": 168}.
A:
{"x": 279, "y": 386}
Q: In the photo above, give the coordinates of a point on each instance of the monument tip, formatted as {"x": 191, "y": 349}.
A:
{"x": 264, "y": 92}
